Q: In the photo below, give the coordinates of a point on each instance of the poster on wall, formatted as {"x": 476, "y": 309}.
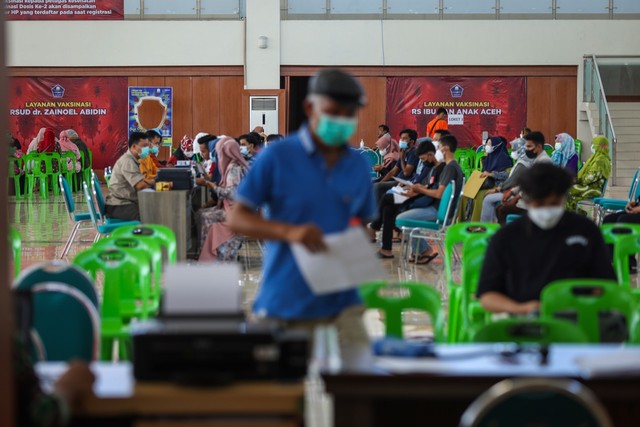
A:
{"x": 151, "y": 107}
{"x": 94, "y": 107}
{"x": 63, "y": 10}
{"x": 497, "y": 105}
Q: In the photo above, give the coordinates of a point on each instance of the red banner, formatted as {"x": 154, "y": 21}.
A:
{"x": 71, "y": 10}
{"x": 497, "y": 105}
{"x": 95, "y": 107}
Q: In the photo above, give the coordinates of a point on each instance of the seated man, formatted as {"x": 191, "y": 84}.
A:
{"x": 126, "y": 180}
{"x": 404, "y": 167}
{"x": 249, "y": 146}
{"x": 548, "y": 244}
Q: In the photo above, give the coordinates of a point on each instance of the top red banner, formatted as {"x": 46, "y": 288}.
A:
{"x": 64, "y": 10}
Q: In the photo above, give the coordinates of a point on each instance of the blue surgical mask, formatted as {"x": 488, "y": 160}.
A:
{"x": 244, "y": 150}
{"x": 336, "y": 131}
{"x": 144, "y": 153}
{"x": 154, "y": 149}
{"x": 403, "y": 145}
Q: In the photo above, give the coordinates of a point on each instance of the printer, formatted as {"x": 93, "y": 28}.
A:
{"x": 202, "y": 337}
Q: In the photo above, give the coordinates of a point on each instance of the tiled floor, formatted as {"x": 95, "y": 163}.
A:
{"x": 44, "y": 226}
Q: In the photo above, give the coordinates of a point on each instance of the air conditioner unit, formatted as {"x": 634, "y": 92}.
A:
{"x": 264, "y": 112}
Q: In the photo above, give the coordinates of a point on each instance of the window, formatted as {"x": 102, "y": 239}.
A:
{"x": 465, "y": 9}
{"x": 209, "y": 8}
{"x": 170, "y": 9}
{"x": 573, "y": 9}
{"x": 307, "y": 7}
{"x": 413, "y": 7}
{"x": 621, "y": 7}
{"x": 132, "y": 7}
{"x": 356, "y": 6}
{"x": 526, "y": 9}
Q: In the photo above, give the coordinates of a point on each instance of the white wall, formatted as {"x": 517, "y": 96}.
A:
{"x": 263, "y": 65}
{"x": 124, "y": 43}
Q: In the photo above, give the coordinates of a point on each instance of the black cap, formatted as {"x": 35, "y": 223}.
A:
{"x": 338, "y": 85}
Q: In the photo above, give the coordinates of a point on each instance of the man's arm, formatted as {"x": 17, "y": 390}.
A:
{"x": 389, "y": 176}
{"x": 496, "y": 302}
{"x": 421, "y": 189}
{"x": 141, "y": 185}
{"x": 252, "y": 224}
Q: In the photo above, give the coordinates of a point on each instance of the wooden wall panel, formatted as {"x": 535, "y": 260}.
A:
{"x": 151, "y": 81}
{"x": 231, "y": 94}
{"x": 182, "y": 107}
{"x": 373, "y": 114}
{"x": 551, "y": 105}
{"x": 205, "y": 105}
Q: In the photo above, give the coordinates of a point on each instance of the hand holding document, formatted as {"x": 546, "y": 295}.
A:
{"x": 348, "y": 261}
{"x": 403, "y": 181}
{"x": 399, "y": 195}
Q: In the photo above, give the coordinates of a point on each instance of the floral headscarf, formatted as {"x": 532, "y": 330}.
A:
{"x": 568, "y": 149}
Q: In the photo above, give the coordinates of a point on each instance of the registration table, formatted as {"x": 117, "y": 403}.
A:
{"x": 436, "y": 391}
{"x": 120, "y": 401}
{"x": 170, "y": 208}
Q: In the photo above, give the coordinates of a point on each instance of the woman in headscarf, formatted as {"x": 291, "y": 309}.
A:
{"x": 184, "y": 152}
{"x": 565, "y": 154}
{"x": 495, "y": 196}
{"x": 390, "y": 152}
{"x": 494, "y": 169}
{"x": 196, "y": 146}
{"x": 67, "y": 145}
{"x": 75, "y": 138}
{"x": 217, "y": 241}
{"x": 49, "y": 144}
{"x": 592, "y": 176}
{"x": 35, "y": 142}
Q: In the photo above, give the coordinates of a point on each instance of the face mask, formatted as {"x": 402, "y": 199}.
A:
{"x": 144, "y": 152}
{"x": 188, "y": 153}
{"x": 403, "y": 145}
{"x": 593, "y": 150}
{"x": 514, "y": 155}
{"x": 546, "y": 217}
{"x": 154, "y": 149}
{"x": 558, "y": 146}
{"x": 439, "y": 156}
{"x": 244, "y": 150}
{"x": 489, "y": 149}
{"x": 336, "y": 131}
{"x": 530, "y": 154}
{"x": 383, "y": 152}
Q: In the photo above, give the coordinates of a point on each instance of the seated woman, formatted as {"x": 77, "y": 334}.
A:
{"x": 49, "y": 144}
{"x": 592, "y": 176}
{"x": 184, "y": 152}
{"x": 217, "y": 241}
{"x": 494, "y": 169}
{"x": 390, "y": 152}
{"x": 428, "y": 173}
{"x": 496, "y": 195}
{"x": 67, "y": 145}
{"x": 565, "y": 154}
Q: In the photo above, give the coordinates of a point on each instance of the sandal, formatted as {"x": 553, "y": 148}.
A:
{"x": 383, "y": 256}
{"x": 424, "y": 260}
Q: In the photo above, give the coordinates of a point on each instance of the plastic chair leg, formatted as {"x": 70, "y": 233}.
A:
{"x": 44, "y": 188}
{"x": 453, "y": 325}
{"x": 54, "y": 186}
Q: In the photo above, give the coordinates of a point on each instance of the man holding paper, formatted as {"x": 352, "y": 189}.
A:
{"x": 312, "y": 185}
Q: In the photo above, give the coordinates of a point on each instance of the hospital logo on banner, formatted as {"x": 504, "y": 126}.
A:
{"x": 57, "y": 91}
{"x": 456, "y": 91}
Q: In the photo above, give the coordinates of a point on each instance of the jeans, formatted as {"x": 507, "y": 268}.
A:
{"x": 421, "y": 214}
{"x": 489, "y": 205}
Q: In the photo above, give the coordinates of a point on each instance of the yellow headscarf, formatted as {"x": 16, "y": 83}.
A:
{"x": 599, "y": 161}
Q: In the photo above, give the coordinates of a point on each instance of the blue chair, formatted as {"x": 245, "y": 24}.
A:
{"x": 66, "y": 322}
{"x": 373, "y": 157}
{"x": 606, "y": 205}
{"x": 101, "y": 227}
{"x": 431, "y": 230}
{"x": 100, "y": 201}
{"x": 77, "y": 218}
{"x": 512, "y": 217}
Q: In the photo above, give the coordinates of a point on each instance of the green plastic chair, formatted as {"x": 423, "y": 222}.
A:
{"x": 542, "y": 331}
{"x": 34, "y": 174}
{"x": 153, "y": 232}
{"x": 472, "y": 315}
{"x": 394, "y": 298}
{"x": 587, "y": 298}
{"x": 66, "y": 322}
{"x": 69, "y": 174}
{"x": 50, "y": 174}
{"x": 120, "y": 269}
{"x": 15, "y": 241}
{"x": 143, "y": 249}
{"x": 458, "y": 234}
{"x": 479, "y": 156}
{"x": 625, "y": 247}
{"x": 13, "y": 163}
{"x": 549, "y": 149}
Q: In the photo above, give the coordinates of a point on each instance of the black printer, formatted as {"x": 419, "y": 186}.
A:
{"x": 218, "y": 350}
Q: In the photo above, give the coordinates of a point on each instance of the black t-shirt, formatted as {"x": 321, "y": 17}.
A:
{"x": 410, "y": 158}
{"x": 522, "y": 258}
{"x": 452, "y": 172}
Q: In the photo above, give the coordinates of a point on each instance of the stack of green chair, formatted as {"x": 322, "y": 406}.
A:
{"x": 50, "y": 175}
{"x": 68, "y": 173}
{"x": 153, "y": 232}
{"x": 459, "y": 234}
{"x": 13, "y": 164}
{"x": 479, "y": 156}
{"x": 34, "y": 174}
{"x": 15, "y": 241}
{"x": 125, "y": 274}
{"x": 540, "y": 331}
{"x": 394, "y": 299}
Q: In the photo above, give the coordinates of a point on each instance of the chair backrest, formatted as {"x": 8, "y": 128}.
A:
{"x": 634, "y": 189}
{"x": 66, "y": 318}
{"x": 156, "y": 232}
{"x": 458, "y": 234}
{"x": 624, "y": 246}
{"x": 88, "y": 195}
{"x": 587, "y": 300}
{"x": 446, "y": 203}
{"x": 99, "y": 197}
{"x": 32, "y": 163}
{"x": 15, "y": 241}
{"x": 549, "y": 149}
{"x": 13, "y": 164}
{"x": 544, "y": 331}
{"x": 479, "y": 156}
{"x": 473, "y": 252}
{"x": 64, "y": 166}
{"x": 66, "y": 195}
{"x": 536, "y": 402}
{"x": 48, "y": 159}
{"x": 393, "y": 299}
{"x": 513, "y": 217}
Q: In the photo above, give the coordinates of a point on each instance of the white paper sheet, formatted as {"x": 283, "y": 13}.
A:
{"x": 403, "y": 181}
{"x": 399, "y": 195}
{"x": 349, "y": 261}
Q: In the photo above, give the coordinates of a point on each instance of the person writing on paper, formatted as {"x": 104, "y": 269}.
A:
{"x": 519, "y": 261}
{"x": 451, "y": 172}
{"x": 404, "y": 167}
{"x": 311, "y": 184}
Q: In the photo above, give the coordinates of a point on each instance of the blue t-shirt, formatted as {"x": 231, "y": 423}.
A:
{"x": 292, "y": 180}
{"x": 410, "y": 158}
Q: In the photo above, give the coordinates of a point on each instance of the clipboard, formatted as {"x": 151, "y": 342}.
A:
{"x": 473, "y": 185}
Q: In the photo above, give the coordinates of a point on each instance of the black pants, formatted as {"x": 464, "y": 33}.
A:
{"x": 129, "y": 212}
{"x": 380, "y": 188}
{"x": 622, "y": 218}
{"x": 388, "y": 211}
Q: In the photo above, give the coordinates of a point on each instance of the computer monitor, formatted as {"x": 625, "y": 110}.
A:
{"x": 180, "y": 177}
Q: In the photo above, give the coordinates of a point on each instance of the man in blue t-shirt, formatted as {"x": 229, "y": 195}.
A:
{"x": 404, "y": 168}
{"x": 311, "y": 184}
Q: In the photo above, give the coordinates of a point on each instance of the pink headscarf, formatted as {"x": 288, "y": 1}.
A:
{"x": 393, "y": 149}
{"x": 35, "y": 142}
{"x": 228, "y": 151}
{"x": 67, "y": 145}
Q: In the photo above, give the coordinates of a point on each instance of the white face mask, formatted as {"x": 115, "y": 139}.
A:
{"x": 593, "y": 149}
{"x": 383, "y": 152}
{"x": 558, "y": 146}
{"x": 439, "y": 156}
{"x": 489, "y": 149}
{"x": 244, "y": 150}
{"x": 514, "y": 155}
{"x": 546, "y": 217}
{"x": 188, "y": 153}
